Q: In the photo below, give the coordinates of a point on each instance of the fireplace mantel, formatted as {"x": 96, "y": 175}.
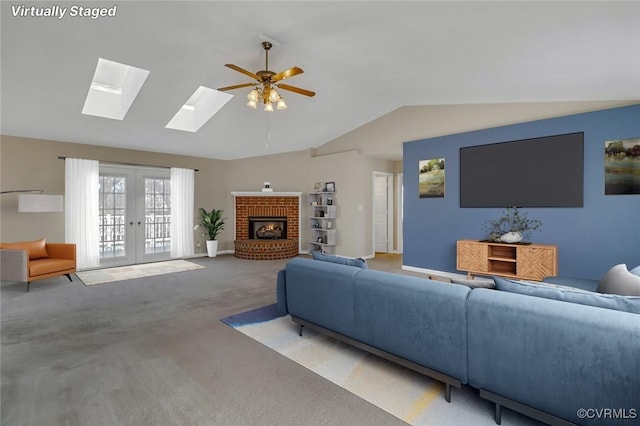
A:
{"x": 265, "y": 194}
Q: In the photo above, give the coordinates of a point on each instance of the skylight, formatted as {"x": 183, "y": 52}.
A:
{"x": 113, "y": 89}
{"x": 198, "y": 109}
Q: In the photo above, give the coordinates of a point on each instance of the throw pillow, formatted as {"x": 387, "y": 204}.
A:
{"x": 620, "y": 281}
{"x": 636, "y": 271}
{"x": 359, "y": 262}
{"x": 36, "y": 249}
{"x": 571, "y": 295}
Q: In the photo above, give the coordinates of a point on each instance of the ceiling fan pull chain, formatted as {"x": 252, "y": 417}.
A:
{"x": 267, "y": 131}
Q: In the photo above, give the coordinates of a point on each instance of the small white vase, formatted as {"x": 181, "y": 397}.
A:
{"x": 511, "y": 237}
{"x": 212, "y": 248}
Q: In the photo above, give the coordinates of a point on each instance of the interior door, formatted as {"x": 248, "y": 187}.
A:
{"x": 135, "y": 215}
{"x": 381, "y": 214}
{"x": 399, "y": 212}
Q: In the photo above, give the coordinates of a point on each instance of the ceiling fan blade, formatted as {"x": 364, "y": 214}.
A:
{"x": 297, "y": 90}
{"x": 242, "y": 70}
{"x": 286, "y": 74}
{"x": 237, "y": 86}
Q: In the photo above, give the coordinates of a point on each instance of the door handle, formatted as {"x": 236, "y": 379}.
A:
{"x": 139, "y": 223}
{"x": 130, "y": 223}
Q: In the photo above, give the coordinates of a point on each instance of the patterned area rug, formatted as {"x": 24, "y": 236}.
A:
{"x": 410, "y": 396}
{"x": 108, "y": 275}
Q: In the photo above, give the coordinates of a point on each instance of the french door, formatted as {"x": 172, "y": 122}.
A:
{"x": 135, "y": 215}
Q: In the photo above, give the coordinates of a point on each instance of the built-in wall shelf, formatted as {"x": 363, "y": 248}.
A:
{"x": 321, "y": 221}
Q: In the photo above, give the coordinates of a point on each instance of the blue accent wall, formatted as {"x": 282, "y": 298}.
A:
{"x": 590, "y": 239}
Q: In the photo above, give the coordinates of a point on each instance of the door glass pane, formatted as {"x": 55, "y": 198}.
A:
{"x": 112, "y": 205}
{"x": 157, "y": 215}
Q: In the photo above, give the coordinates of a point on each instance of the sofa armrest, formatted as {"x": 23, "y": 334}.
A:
{"x": 61, "y": 251}
{"x": 14, "y": 265}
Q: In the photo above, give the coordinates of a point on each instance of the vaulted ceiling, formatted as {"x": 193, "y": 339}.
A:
{"x": 363, "y": 59}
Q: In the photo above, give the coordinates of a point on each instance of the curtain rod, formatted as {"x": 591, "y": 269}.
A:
{"x": 13, "y": 191}
{"x": 129, "y": 164}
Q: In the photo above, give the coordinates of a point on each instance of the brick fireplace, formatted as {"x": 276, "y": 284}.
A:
{"x": 253, "y": 205}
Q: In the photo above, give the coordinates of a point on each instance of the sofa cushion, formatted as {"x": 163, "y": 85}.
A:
{"x": 359, "y": 262}
{"x": 553, "y": 356}
{"x": 620, "y": 281}
{"x": 322, "y": 293}
{"x": 424, "y": 321}
{"x": 571, "y": 295}
{"x": 48, "y": 266}
{"x": 36, "y": 249}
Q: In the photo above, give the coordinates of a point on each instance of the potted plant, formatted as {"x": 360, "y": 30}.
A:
{"x": 512, "y": 227}
{"x": 213, "y": 224}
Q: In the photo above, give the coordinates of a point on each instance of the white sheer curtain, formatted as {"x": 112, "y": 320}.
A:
{"x": 182, "y": 181}
{"x": 81, "y": 188}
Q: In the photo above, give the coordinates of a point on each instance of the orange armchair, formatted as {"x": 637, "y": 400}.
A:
{"x": 36, "y": 260}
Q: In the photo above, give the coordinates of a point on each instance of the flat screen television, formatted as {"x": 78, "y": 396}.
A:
{"x": 540, "y": 172}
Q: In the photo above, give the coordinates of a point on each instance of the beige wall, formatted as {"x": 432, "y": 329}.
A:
{"x": 33, "y": 164}
{"x": 298, "y": 171}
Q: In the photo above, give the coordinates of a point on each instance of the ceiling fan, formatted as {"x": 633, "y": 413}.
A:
{"x": 264, "y": 91}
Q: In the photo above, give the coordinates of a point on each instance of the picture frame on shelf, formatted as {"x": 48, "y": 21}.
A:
{"x": 330, "y": 187}
{"x": 317, "y": 187}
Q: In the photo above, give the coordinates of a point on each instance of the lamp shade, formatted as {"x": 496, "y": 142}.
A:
{"x": 39, "y": 203}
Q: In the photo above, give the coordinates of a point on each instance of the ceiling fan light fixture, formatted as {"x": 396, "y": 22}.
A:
{"x": 273, "y": 96}
{"x": 253, "y": 96}
{"x": 264, "y": 90}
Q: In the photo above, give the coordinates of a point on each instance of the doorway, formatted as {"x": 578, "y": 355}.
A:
{"x": 383, "y": 195}
{"x": 134, "y": 215}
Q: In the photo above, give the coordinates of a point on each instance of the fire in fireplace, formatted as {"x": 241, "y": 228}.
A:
{"x": 268, "y": 228}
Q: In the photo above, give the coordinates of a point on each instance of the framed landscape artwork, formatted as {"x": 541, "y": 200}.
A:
{"x": 431, "y": 178}
{"x": 622, "y": 166}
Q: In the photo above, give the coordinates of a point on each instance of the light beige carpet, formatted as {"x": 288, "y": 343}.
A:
{"x": 108, "y": 275}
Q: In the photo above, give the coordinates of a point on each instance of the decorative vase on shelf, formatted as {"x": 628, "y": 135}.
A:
{"x": 511, "y": 237}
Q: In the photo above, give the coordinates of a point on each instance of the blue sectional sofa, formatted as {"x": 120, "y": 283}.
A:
{"x": 545, "y": 358}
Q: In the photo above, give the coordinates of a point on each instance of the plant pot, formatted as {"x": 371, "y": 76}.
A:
{"x": 511, "y": 237}
{"x": 212, "y": 248}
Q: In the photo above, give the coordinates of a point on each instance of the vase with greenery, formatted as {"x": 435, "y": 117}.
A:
{"x": 513, "y": 226}
{"x": 213, "y": 224}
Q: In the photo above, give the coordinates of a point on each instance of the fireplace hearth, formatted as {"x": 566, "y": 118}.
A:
{"x": 268, "y": 228}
